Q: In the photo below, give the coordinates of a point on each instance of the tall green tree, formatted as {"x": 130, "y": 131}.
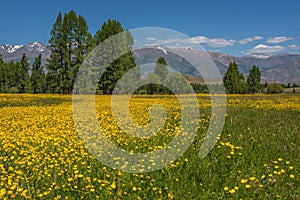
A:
{"x": 234, "y": 81}
{"x": 122, "y": 64}
{"x": 55, "y": 63}
{"x": 3, "y": 76}
{"x": 253, "y": 80}
{"x": 161, "y": 68}
{"x": 38, "y": 76}
{"x": 70, "y": 42}
{"x": 24, "y": 85}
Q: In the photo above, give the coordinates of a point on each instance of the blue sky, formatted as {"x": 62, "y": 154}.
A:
{"x": 232, "y": 27}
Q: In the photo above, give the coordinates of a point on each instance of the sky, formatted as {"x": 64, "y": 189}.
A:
{"x": 232, "y": 27}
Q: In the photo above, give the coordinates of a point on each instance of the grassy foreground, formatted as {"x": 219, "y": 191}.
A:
{"x": 256, "y": 157}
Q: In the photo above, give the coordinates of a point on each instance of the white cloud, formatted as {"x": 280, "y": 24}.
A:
{"x": 150, "y": 39}
{"x": 250, "y": 39}
{"x": 294, "y": 46}
{"x": 212, "y": 42}
{"x": 279, "y": 39}
{"x": 261, "y": 48}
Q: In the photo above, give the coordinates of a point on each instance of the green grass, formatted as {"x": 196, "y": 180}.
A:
{"x": 259, "y": 144}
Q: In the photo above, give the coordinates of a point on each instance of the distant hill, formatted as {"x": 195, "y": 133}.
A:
{"x": 282, "y": 68}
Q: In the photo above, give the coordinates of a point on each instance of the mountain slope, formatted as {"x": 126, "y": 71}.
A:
{"x": 283, "y": 68}
{"x": 32, "y": 50}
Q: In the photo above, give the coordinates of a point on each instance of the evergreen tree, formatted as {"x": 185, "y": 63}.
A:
{"x": 70, "y": 42}
{"x": 232, "y": 79}
{"x": 3, "y": 76}
{"x": 161, "y": 68}
{"x": 161, "y": 71}
{"x": 24, "y": 79}
{"x": 253, "y": 80}
{"x": 122, "y": 64}
{"x": 38, "y": 76}
{"x": 55, "y": 63}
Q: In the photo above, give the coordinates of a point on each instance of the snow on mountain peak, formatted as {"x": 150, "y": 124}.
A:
{"x": 10, "y": 48}
{"x": 35, "y": 46}
{"x": 160, "y": 48}
{"x": 260, "y": 56}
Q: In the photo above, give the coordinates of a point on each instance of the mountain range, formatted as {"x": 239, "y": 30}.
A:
{"x": 283, "y": 68}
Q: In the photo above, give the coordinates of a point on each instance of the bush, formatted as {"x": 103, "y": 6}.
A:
{"x": 274, "y": 88}
{"x": 13, "y": 90}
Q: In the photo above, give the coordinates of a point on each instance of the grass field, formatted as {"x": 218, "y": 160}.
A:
{"x": 256, "y": 157}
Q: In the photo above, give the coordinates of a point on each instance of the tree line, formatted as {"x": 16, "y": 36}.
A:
{"x": 70, "y": 42}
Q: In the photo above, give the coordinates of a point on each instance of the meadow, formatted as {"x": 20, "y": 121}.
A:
{"x": 256, "y": 156}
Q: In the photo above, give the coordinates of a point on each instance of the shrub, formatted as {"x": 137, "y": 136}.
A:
{"x": 13, "y": 90}
{"x": 274, "y": 88}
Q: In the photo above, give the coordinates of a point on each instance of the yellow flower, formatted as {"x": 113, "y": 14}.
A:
{"x": 280, "y": 159}
{"x": 170, "y": 195}
{"x": 263, "y": 176}
{"x": 2, "y": 192}
{"x": 232, "y": 191}
{"x": 252, "y": 178}
{"x": 134, "y": 188}
{"x": 236, "y": 187}
{"x": 247, "y": 186}
{"x": 292, "y": 175}
{"x": 244, "y": 180}
{"x": 226, "y": 188}
{"x": 113, "y": 185}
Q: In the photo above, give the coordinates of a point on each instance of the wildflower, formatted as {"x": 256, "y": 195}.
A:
{"x": 2, "y": 192}
{"x": 226, "y": 188}
{"x": 170, "y": 195}
{"x": 247, "y": 186}
{"x": 113, "y": 185}
{"x": 244, "y": 180}
{"x": 292, "y": 175}
{"x": 232, "y": 191}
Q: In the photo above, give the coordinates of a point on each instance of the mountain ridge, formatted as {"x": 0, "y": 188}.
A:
{"x": 283, "y": 68}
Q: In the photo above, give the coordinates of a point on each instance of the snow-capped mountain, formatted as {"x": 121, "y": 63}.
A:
{"x": 8, "y": 49}
{"x": 282, "y": 68}
{"x": 32, "y": 50}
{"x": 259, "y": 56}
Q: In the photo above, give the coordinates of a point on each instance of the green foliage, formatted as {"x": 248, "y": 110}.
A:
{"x": 13, "y": 90}
{"x": 15, "y": 75}
{"x": 253, "y": 80}
{"x": 38, "y": 76}
{"x": 274, "y": 88}
{"x": 118, "y": 67}
{"x": 234, "y": 81}
{"x": 70, "y": 42}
